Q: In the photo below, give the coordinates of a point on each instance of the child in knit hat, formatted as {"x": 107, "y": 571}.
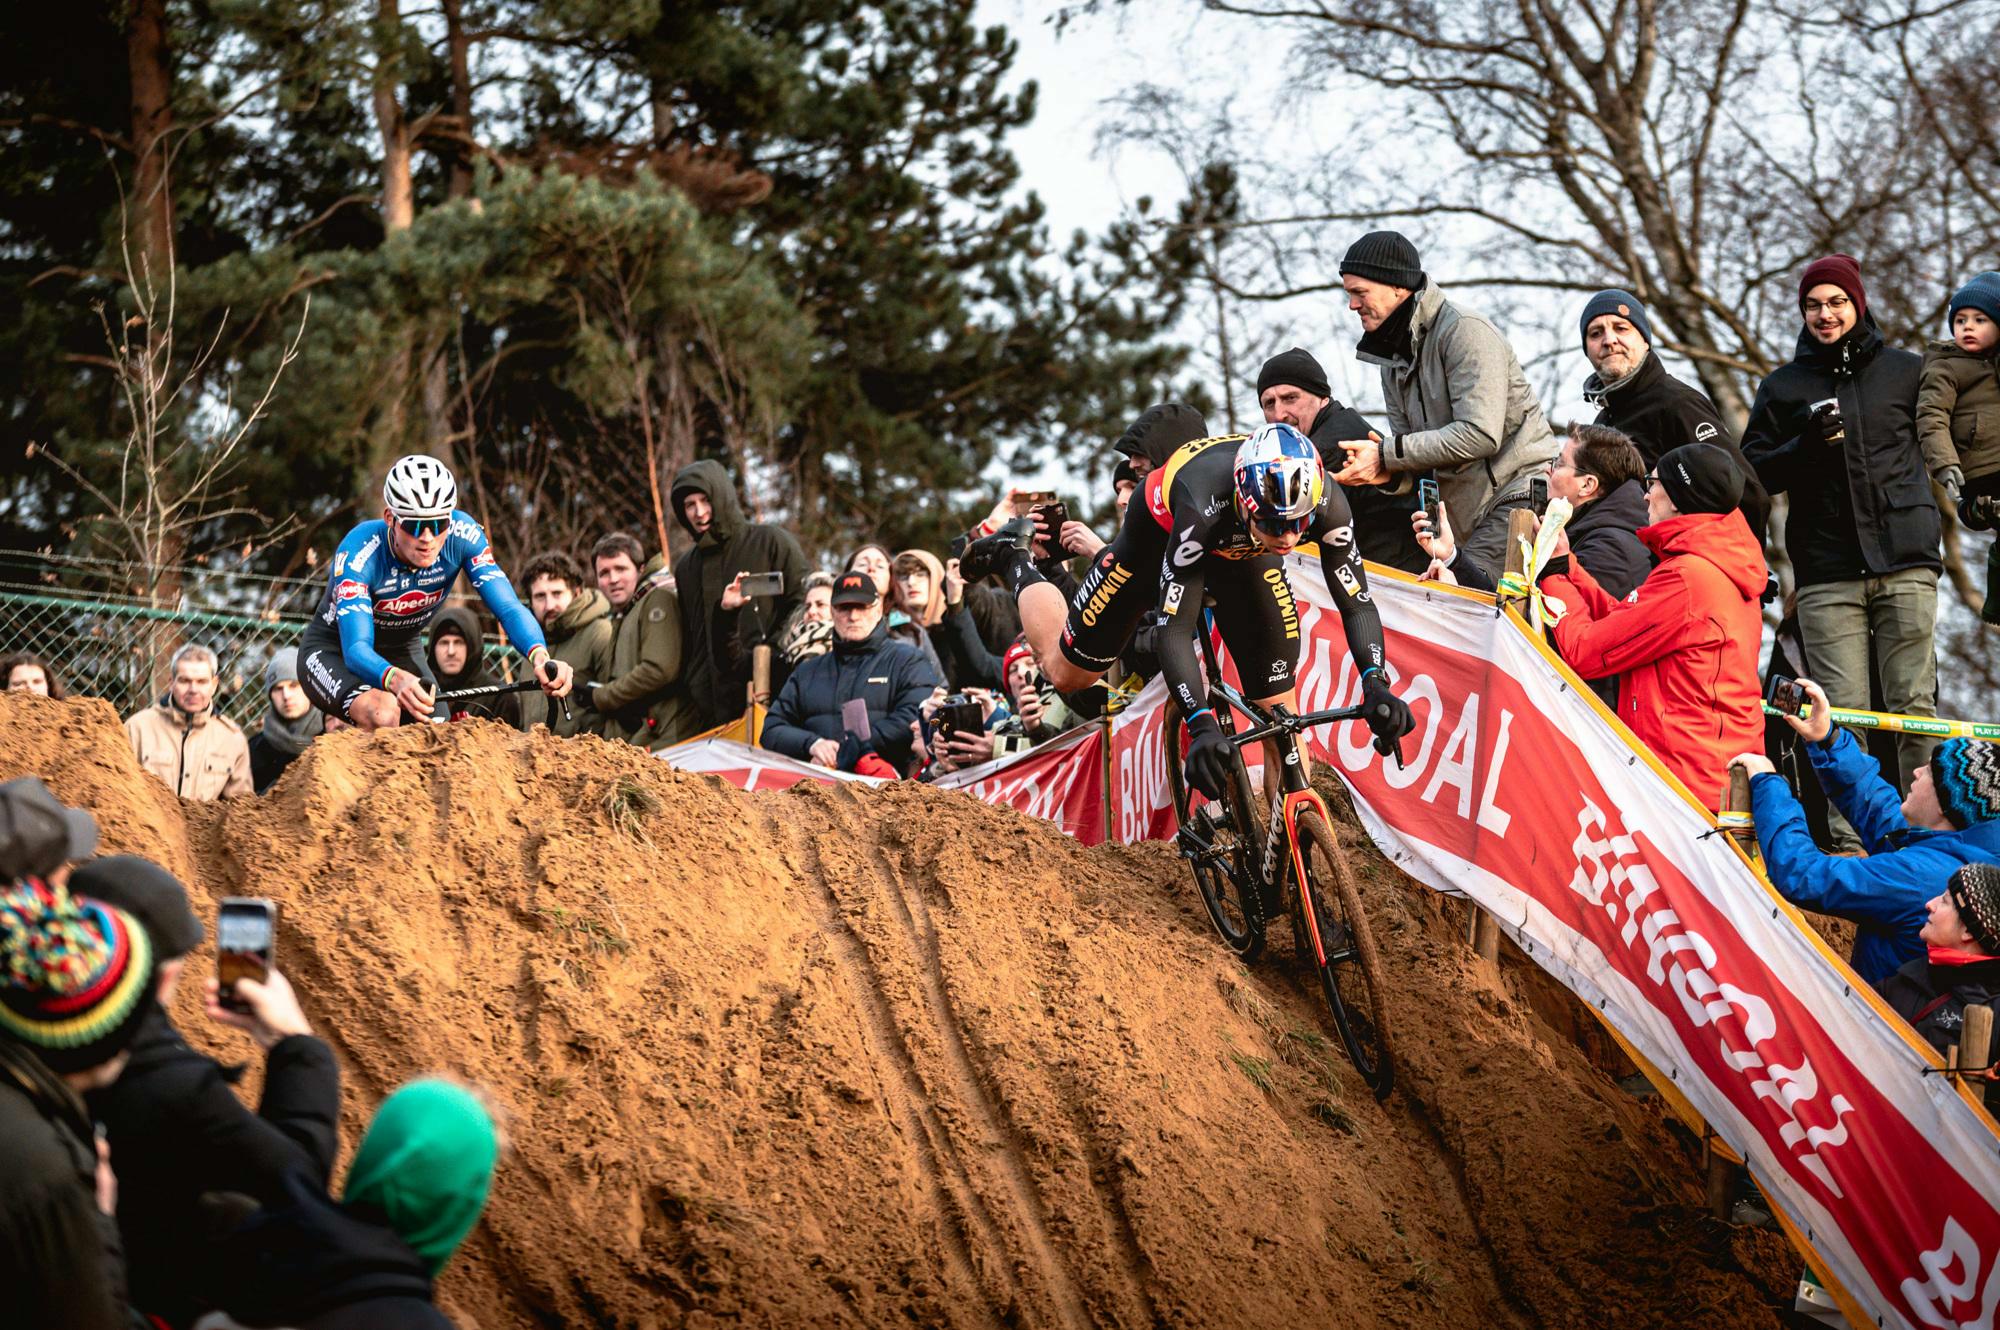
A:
{"x": 1958, "y": 414}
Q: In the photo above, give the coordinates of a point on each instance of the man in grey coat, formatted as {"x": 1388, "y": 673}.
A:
{"x": 1456, "y": 398}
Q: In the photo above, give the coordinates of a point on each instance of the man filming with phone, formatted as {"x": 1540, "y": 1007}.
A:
{"x": 362, "y": 655}
{"x": 851, "y": 709}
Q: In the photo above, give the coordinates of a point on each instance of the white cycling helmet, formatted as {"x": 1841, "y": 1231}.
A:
{"x": 419, "y": 487}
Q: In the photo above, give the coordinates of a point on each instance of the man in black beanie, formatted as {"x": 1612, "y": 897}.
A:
{"x": 1292, "y": 389}
{"x": 1457, "y": 401}
{"x": 1633, "y": 393}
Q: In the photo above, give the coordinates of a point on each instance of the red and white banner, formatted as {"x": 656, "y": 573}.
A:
{"x": 1062, "y": 781}
{"x": 1525, "y": 794}
{"x": 750, "y": 768}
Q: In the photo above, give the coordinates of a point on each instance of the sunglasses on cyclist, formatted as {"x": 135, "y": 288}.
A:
{"x": 421, "y": 527}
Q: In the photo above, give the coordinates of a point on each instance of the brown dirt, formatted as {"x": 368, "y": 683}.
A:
{"x": 840, "y": 1057}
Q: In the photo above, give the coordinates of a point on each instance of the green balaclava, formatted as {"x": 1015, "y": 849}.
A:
{"x": 425, "y": 1165}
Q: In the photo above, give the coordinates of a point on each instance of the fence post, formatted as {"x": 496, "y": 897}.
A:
{"x": 1513, "y": 590}
{"x": 1721, "y": 1176}
{"x": 1976, "y": 1046}
{"x": 1734, "y": 817}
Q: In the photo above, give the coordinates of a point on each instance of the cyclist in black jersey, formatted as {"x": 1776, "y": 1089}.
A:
{"x": 1214, "y": 520}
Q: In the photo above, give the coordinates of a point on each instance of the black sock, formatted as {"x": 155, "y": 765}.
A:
{"x": 1021, "y": 573}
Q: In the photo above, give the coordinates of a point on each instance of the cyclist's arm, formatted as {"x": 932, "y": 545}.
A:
{"x": 1182, "y": 579}
{"x": 490, "y": 581}
{"x": 1340, "y": 564}
{"x": 353, "y": 592}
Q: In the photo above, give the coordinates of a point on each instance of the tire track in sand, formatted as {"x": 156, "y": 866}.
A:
{"x": 962, "y": 1216}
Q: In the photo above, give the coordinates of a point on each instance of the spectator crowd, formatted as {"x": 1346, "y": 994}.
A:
{"x": 896, "y": 665}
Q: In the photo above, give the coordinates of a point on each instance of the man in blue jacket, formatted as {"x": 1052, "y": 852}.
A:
{"x": 1950, "y": 818}
{"x": 811, "y": 720}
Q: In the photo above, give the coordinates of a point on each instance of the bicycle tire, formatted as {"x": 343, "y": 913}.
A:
{"x": 1233, "y": 896}
{"x": 1349, "y": 964}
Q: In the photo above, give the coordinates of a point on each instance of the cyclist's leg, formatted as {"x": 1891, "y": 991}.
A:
{"x": 1259, "y": 623}
{"x": 1080, "y": 638}
{"x": 339, "y": 691}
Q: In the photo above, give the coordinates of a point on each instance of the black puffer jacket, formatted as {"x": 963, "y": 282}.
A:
{"x": 1381, "y": 519}
{"x": 1861, "y": 508}
{"x": 1933, "y": 991}
{"x": 893, "y": 676}
{"x": 178, "y": 1130}
{"x": 718, "y": 643}
{"x": 1659, "y": 413}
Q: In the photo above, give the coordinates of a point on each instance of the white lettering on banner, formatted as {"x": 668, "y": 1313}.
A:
{"x": 1681, "y": 959}
{"x": 1937, "y": 1297}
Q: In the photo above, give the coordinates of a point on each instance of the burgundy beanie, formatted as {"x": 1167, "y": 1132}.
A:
{"x": 1841, "y": 270}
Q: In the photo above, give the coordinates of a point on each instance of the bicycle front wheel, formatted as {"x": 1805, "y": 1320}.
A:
{"x": 1220, "y": 842}
{"x": 1334, "y": 935}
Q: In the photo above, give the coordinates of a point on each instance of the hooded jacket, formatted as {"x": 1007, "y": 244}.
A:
{"x": 646, "y": 699}
{"x": 60, "y": 1263}
{"x": 893, "y": 676}
{"x": 1603, "y": 536}
{"x": 1861, "y": 508}
{"x": 718, "y": 642}
{"x": 199, "y": 757}
{"x": 506, "y": 708}
{"x": 1958, "y": 410}
{"x": 581, "y": 637}
{"x": 1381, "y": 518}
{"x": 1459, "y": 405}
{"x": 1683, "y": 647}
{"x": 1659, "y": 413}
{"x": 177, "y": 1130}
{"x": 1933, "y": 991}
{"x": 1885, "y": 893}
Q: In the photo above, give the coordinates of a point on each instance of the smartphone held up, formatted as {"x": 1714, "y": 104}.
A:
{"x": 246, "y": 938}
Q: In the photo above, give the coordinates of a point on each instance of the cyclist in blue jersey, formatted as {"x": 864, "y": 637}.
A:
{"x": 362, "y": 656}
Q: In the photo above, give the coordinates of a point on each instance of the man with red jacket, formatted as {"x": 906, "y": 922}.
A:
{"x": 1684, "y": 645}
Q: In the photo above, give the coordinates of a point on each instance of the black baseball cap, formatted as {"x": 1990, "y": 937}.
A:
{"x": 853, "y": 589}
{"x": 147, "y": 892}
{"x": 39, "y": 834}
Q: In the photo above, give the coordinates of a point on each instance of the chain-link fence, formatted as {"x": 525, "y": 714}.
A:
{"x": 105, "y": 639}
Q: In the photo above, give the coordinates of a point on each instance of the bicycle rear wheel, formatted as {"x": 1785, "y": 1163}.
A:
{"x": 1334, "y": 935}
{"x": 1220, "y": 843}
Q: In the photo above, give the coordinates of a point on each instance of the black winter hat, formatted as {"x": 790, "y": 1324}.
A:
{"x": 147, "y": 892}
{"x": 1296, "y": 367}
{"x": 1385, "y": 256}
{"x": 1975, "y": 891}
{"x": 39, "y": 834}
{"x": 1160, "y": 430}
{"x": 1613, "y": 301}
{"x": 1700, "y": 478}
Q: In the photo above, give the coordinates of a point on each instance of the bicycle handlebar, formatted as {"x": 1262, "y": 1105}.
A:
{"x": 528, "y": 685}
{"x": 1280, "y": 721}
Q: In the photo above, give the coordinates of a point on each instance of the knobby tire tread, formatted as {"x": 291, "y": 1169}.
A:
{"x": 1248, "y": 832}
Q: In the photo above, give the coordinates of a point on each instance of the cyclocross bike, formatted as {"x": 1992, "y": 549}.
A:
{"x": 1248, "y": 874}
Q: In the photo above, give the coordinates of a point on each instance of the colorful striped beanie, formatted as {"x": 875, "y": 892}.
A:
{"x": 1966, "y": 773}
{"x": 76, "y": 975}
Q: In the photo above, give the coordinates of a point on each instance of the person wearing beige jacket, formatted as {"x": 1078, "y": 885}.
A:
{"x": 199, "y": 754}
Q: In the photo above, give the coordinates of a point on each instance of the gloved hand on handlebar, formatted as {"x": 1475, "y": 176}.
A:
{"x": 1388, "y": 716}
{"x": 1210, "y": 754}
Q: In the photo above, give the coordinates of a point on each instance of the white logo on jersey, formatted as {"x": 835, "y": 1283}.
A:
{"x": 1188, "y": 553}
{"x": 1705, "y": 430}
{"x": 367, "y": 551}
{"x": 1340, "y": 535}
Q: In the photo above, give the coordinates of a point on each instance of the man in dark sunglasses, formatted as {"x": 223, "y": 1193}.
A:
{"x": 362, "y": 657}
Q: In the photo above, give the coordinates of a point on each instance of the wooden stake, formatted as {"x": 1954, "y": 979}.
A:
{"x": 1976, "y": 1046}
{"x": 1721, "y": 1176}
{"x": 1486, "y": 936}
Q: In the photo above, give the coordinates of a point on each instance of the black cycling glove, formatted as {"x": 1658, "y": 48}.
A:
{"x": 1387, "y": 715}
{"x": 1210, "y": 754}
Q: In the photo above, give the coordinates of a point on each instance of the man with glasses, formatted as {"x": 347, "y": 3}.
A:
{"x": 363, "y": 652}
{"x": 1836, "y": 430}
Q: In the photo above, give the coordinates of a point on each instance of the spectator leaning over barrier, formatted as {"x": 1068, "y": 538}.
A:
{"x": 933, "y": 595}
{"x": 1960, "y": 966}
{"x": 811, "y": 634}
{"x": 458, "y": 660}
{"x": 291, "y": 722}
{"x": 720, "y": 626}
{"x": 1836, "y": 429}
{"x": 646, "y": 698}
{"x": 199, "y": 754}
{"x": 1601, "y": 475}
{"x": 418, "y": 1184}
{"x": 1683, "y": 648}
{"x": 576, "y": 620}
{"x": 25, "y": 672}
{"x": 1958, "y": 417}
{"x": 175, "y": 1126}
{"x": 1636, "y": 396}
{"x": 1292, "y": 388}
{"x": 1950, "y": 817}
{"x": 811, "y": 719}
{"x": 76, "y": 982}
{"x": 1458, "y": 403}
